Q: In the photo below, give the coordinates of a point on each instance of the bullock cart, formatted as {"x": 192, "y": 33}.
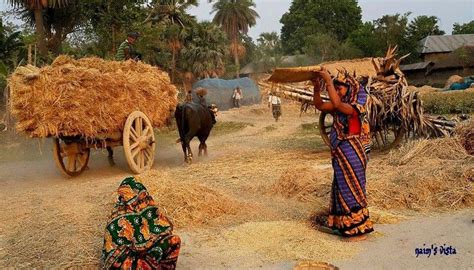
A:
{"x": 71, "y": 153}
{"x": 92, "y": 103}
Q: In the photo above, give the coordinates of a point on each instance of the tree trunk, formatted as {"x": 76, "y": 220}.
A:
{"x": 40, "y": 32}
{"x": 30, "y": 57}
{"x": 237, "y": 64}
{"x": 173, "y": 64}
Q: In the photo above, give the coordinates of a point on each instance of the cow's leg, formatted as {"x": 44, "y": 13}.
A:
{"x": 200, "y": 150}
{"x": 187, "y": 141}
{"x": 110, "y": 156}
{"x": 185, "y": 149}
{"x": 203, "y": 145}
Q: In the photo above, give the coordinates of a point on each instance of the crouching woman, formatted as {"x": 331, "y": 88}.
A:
{"x": 350, "y": 144}
{"x": 138, "y": 235}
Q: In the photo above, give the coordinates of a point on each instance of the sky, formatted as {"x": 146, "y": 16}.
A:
{"x": 270, "y": 11}
{"x": 448, "y": 11}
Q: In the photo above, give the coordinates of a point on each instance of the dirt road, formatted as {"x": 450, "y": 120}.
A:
{"x": 230, "y": 214}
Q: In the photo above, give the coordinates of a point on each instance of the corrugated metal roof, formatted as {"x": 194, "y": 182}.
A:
{"x": 415, "y": 66}
{"x": 448, "y": 43}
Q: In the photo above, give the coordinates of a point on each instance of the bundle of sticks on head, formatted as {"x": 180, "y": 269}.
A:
{"x": 389, "y": 104}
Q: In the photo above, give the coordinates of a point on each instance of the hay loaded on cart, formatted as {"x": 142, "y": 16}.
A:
{"x": 92, "y": 103}
{"x": 393, "y": 111}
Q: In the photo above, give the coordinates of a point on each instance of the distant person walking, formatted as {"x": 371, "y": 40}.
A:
{"x": 237, "y": 96}
{"x": 274, "y": 102}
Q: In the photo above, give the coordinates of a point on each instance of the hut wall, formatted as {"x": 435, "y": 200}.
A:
{"x": 434, "y": 57}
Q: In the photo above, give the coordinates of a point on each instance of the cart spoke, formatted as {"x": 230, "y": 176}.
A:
{"x": 135, "y": 152}
{"x": 138, "y": 126}
{"x": 134, "y": 145}
{"x": 146, "y": 131}
{"x": 133, "y": 134}
{"x": 71, "y": 163}
{"x": 142, "y": 159}
{"x": 148, "y": 154}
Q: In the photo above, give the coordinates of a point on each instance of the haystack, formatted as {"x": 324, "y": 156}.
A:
{"x": 88, "y": 97}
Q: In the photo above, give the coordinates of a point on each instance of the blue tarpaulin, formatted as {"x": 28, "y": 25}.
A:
{"x": 462, "y": 85}
{"x": 220, "y": 91}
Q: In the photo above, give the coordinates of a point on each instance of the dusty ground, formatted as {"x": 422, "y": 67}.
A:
{"x": 230, "y": 217}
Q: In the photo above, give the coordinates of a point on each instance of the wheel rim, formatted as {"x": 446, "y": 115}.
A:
{"x": 388, "y": 138}
{"x": 139, "y": 142}
{"x": 70, "y": 158}
{"x": 325, "y": 126}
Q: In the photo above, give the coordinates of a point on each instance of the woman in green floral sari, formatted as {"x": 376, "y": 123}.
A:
{"x": 138, "y": 235}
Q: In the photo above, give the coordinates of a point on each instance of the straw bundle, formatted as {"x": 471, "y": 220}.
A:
{"x": 89, "y": 97}
{"x": 390, "y": 104}
{"x": 361, "y": 66}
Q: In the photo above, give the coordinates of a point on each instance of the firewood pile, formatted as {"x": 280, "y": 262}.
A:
{"x": 390, "y": 105}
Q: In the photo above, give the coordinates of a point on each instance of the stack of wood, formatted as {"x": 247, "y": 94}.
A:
{"x": 390, "y": 104}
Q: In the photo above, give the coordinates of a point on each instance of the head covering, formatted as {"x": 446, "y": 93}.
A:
{"x": 357, "y": 97}
{"x": 343, "y": 77}
{"x": 133, "y": 34}
{"x": 137, "y": 233}
{"x": 201, "y": 91}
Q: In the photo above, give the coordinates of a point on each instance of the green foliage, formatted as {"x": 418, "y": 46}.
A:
{"x": 235, "y": 16}
{"x": 419, "y": 28}
{"x": 251, "y": 50}
{"x": 322, "y": 46}
{"x": 269, "y": 50}
{"x": 459, "y": 101}
{"x": 466, "y": 28}
{"x": 205, "y": 53}
{"x": 423, "y": 26}
{"x": 365, "y": 40}
{"x": 391, "y": 30}
{"x": 307, "y": 18}
{"x": 11, "y": 47}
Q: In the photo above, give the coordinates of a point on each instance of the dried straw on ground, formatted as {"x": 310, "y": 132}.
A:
{"x": 191, "y": 204}
{"x": 88, "y": 97}
{"x": 423, "y": 175}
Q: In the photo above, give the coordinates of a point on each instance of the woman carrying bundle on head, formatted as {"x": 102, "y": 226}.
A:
{"x": 350, "y": 145}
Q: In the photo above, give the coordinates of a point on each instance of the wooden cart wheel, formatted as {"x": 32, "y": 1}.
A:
{"x": 325, "y": 125}
{"x": 382, "y": 140}
{"x": 139, "y": 142}
{"x": 386, "y": 140}
{"x": 71, "y": 158}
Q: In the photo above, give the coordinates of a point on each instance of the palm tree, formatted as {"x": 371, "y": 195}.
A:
{"x": 204, "y": 55}
{"x": 172, "y": 14}
{"x": 235, "y": 17}
{"x": 38, "y": 6}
